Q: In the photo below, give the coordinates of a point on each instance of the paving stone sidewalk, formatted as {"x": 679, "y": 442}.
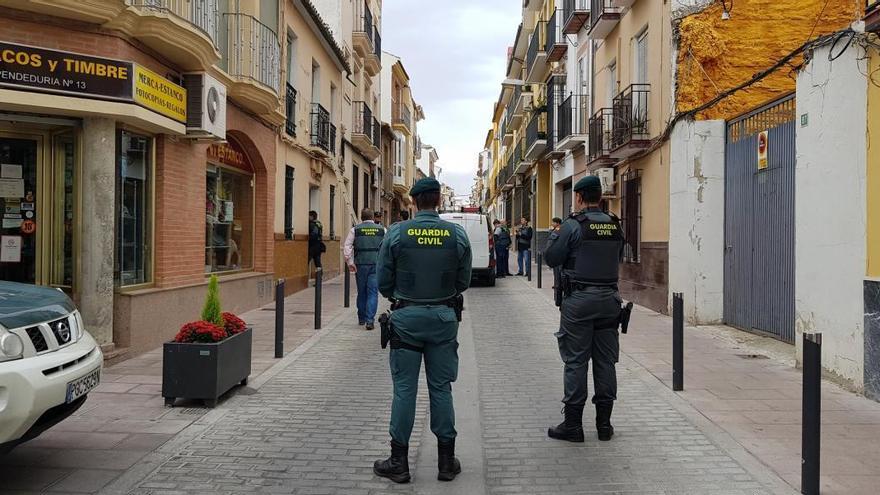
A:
{"x": 316, "y": 425}
{"x": 125, "y": 419}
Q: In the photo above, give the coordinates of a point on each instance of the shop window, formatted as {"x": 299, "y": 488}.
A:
{"x": 133, "y": 205}
{"x": 288, "y": 202}
{"x": 229, "y": 232}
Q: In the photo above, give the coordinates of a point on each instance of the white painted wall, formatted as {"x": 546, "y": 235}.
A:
{"x": 696, "y": 219}
{"x": 830, "y": 209}
{"x": 331, "y": 13}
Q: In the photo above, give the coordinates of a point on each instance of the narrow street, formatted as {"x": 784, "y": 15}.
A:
{"x": 315, "y": 421}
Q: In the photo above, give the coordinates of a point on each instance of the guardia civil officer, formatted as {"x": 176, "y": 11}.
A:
{"x": 361, "y": 250}
{"x": 588, "y": 248}
{"x": 424, "y": 265}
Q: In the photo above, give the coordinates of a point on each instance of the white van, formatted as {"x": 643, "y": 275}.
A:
{"x": 479, "y": 232}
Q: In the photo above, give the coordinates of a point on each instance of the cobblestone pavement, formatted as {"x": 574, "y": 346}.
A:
{"x": 318, "y": 420}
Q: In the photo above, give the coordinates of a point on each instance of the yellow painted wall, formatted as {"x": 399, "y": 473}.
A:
{"x": 758, "y": 33}
{"x": 545, "y": 179}
{"x": 873, "y": 172}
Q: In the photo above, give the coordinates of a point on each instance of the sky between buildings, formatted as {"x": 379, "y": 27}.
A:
{"x": 455, "y": 52}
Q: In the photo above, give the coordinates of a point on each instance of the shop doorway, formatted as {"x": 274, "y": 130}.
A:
{"x": 38, "y": 201}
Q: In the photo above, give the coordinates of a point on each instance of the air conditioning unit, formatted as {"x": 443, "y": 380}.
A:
{"x": 205, "y": 106}
{"x": 606, "y": 176}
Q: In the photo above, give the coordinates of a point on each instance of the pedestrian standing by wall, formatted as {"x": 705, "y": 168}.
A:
{"x": 424, "y": 265}
{"x": 502, "y": 249}
{"x": 377, "y": 217}
{"x": 588, "y": 247}
{"x": 524, "y": 236}
{"x": 316, "y": 243}
{"x": 361, "y": 250}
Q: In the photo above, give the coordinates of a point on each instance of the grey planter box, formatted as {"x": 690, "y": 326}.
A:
{"x": 205, "y": 371}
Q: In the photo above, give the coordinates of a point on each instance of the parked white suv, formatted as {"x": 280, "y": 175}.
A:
{"x": 479, "y": 232}
{"x": 48, "y": 362}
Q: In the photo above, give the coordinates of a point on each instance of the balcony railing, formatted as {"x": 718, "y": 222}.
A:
{"x": 601, "y": 128}
{"x": 536, "y": 45}
{"x": 630, "y": 109}
{"x": 204, "y": 14}
{"x": 573, "y": 117}
{"x": 320, "y": 131}
{"x": 377, "y": 43}
{"x": 576, "y": 13}
{"x": 253, "y": 51}
{"x": 556, "y": 46}
{"x": 603, "y": 17}
{"x": 363, "y": 120}
{"x": 400, "y": 114}
{"x": 377, "y": 132}
{"x": 536, "y": 131}
{"x": 290, "y": 111}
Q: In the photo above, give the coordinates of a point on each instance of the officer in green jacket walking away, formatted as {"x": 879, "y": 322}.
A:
{"x": 424, "y": 266}
{"x": 361, "y": 250}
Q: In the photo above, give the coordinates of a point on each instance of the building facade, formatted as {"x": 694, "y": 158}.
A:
{"x": 119, "y": 187}
{"x": 401, "y": 114}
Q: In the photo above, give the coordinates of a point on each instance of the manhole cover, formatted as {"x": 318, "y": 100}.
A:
{"x": 753, "y": 356}
{"x": 190, "y": 410}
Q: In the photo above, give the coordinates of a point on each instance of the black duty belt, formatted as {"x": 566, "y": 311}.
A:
{"x": 575, "y": 285}
{"x": 400, "y": 303}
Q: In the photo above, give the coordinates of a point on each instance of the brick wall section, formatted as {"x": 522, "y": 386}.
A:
{"x": 180, "y": 163}
{"x": 71, "y": 36}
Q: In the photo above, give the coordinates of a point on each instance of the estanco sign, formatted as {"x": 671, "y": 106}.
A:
{"x": 39, "y": 69}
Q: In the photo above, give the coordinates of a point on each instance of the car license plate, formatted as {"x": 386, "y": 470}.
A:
{"x": 82, "y": 386}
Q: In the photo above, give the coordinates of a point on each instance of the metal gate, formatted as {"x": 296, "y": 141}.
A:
{"x": 759, "y": 227}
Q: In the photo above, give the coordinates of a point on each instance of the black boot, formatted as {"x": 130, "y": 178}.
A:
{"x": 396, "y": 467}
{"x": 447, "y": 465}
{"x": 572, "y": 429}
{"x": 603, "y": 421}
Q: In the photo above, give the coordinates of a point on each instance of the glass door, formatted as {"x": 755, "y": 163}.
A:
{"x": 63, "y": 203}
{"x": 20, "y": 157}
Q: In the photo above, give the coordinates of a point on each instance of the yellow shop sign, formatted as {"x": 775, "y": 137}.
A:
{"x": 158, "y": 94}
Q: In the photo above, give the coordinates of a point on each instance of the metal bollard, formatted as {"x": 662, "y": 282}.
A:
{"x": 811, "y": 414}
{"x": 529, "y": 269}
{"x": 677, "y": 341}
{"x": 538, "y": 260}
{"x": 346, "y": 298}
{"x": 319, "y": 274}
{"x": 279, "y": 319}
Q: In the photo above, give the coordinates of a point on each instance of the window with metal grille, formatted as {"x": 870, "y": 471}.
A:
{"x": 355, "y": 190}
{"x": 288, "y": 202}
{"x": 631, "y": 214}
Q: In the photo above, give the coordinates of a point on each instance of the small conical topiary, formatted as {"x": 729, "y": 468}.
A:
{"x": 211, "y": 311}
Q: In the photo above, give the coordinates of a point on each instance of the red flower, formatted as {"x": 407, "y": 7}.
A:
{"x": 233, "y": 324}
{"x": 200, "y": 331}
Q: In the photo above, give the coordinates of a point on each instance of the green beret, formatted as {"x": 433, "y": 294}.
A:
{"x": 590, "y": 182}
{"x": 425, "y": 185}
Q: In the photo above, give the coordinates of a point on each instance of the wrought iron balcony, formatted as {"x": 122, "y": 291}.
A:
{"x": 290, "y": 111}
{"x": 630, "y": 133}
{"x": 253, "y": 51}
{"x": 573, "y": 122}
{"x": 366, "y": 39}
{"x": 332, "y": 139}
{"x": 401, "y": 115}
{"x": 536, "y": 57}
{"x": 377, "y": 132}
{"x": 576, "y": 14}
{"x": 601, "y": 128}
{"x": 536, "y": 136}
{"x": 556, "y": 46}
{"x": 363, "y": 130}
{"x": 516, "y": 160}
{"x": 204, "y": 14}
{"x": 604, "y": 16}
{"x": 320, "y": 127}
